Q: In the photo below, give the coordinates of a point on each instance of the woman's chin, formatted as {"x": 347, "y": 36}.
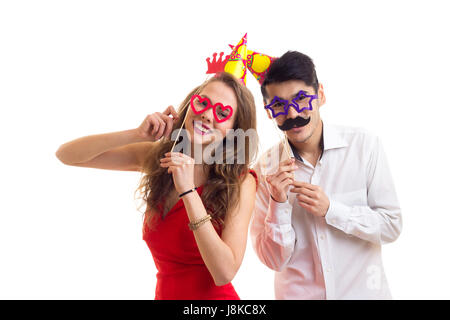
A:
{"x": 202, "y": 140}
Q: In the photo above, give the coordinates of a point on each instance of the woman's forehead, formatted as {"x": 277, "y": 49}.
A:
{"x": 216, "y": 91}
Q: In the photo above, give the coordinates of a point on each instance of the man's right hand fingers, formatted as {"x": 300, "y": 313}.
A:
{"x": 283, "y": 175}
{"x": 286, "y": 182}
{"x": 287, "y": 165}
{"x": 289, "y": 168}
{"x": 284, "y": 171}
{"x": 287, "y": 162}
{"x": 279, "y": 192}
{"x": 278, "y": 179}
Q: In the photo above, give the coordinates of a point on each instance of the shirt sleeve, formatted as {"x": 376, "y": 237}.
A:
{"x": 273, "y": 237}
{"x": 379, "y": 222}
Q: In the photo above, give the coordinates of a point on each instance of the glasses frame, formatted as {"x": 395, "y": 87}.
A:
{"x": 294, "y": 103}
{"x": 210, "y": 105}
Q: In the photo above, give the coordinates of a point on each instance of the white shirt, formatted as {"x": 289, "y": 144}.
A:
{"x": 337, "y": 256}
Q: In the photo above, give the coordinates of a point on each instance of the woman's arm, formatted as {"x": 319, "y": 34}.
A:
{"x": 103, "y": 151}
{"x": 223, "y": 255}
{"x": 122, "y": 150}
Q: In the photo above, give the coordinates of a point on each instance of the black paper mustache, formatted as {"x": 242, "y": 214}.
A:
{"x": 294, "y": 123}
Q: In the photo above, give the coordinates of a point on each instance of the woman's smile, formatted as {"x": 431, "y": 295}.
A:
{"x": 201, "y": 128}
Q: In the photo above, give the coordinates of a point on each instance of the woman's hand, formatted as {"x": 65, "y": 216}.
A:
{"x": 157, "y": 124}
{"x": 181, "y": 167}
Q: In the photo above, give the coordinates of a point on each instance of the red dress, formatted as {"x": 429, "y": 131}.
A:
{"x": 182, "y": 274}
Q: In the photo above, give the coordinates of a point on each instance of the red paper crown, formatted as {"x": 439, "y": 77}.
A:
{"x": 216, "y": 66}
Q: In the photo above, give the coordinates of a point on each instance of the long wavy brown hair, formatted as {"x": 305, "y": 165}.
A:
{"x": 221, "y": 191}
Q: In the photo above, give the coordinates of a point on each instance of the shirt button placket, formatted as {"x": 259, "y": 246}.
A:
{"x": 322, "y": 243}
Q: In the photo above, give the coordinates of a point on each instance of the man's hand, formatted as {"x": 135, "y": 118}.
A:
{"x": 280, "y": 181}
{"x": 311, "y": 197}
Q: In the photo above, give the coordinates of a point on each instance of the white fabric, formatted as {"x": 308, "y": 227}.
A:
{"x": 338, "y": 256}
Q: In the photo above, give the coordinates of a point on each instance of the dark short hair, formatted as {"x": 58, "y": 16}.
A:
{"x": 292, "y": 65}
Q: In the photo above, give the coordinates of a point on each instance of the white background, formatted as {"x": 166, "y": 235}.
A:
{"x": 75, "y": 68}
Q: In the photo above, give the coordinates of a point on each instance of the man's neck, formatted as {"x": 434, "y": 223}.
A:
{"x": 312, "y": 148}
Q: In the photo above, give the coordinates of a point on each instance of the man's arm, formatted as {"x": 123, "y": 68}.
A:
{"x": 273, "y": 237}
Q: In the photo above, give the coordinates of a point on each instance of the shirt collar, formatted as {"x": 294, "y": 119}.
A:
{"x": 330, "y": 139}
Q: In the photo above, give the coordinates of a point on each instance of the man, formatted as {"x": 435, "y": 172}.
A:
{"x": 322, "y": 215}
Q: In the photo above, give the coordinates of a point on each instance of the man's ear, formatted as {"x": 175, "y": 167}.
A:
{"x": 321, "y": 95}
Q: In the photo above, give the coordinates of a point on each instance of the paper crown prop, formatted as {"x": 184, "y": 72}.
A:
{"x": 235, "y": 63}
{"x": 239, "y": 61}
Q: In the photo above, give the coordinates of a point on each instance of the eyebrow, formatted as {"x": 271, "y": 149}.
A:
{"x": 293, "y": 96}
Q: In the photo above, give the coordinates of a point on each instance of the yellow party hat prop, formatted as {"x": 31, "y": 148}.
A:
{"x": 237, "y": 61}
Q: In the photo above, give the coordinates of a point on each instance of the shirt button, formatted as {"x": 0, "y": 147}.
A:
{"x": 322, "y": 237}
{"x": 329, "y": 270}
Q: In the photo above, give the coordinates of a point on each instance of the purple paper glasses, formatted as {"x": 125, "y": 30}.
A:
{"x": 302, "y": 101}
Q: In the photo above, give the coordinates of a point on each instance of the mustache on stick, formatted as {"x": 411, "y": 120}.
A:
{"x": 288, "y": 124}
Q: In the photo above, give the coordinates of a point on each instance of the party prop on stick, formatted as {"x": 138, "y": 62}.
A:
{"x": 284, "y": 140}
{"x": 258, "y": 64}
{"x": 234, "y": 64}
{"x": 302, "y": 101}
{"x": 217, "y": 65}
{"x": 237, "y": 61}
{"x": 270, "y": 160}
{"x": 200, "y": 104}
{"x": 179, "y": 131}
{"x": 279, "y": 106}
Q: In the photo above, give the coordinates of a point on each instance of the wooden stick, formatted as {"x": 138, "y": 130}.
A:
{"x": 181, "y": 127}
{"x": 284, "y": 139}
{"x": 185, "y": 116}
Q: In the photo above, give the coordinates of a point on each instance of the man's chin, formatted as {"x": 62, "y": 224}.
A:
{"x": 299, "y": 134}
{"x": 296, "y": 130}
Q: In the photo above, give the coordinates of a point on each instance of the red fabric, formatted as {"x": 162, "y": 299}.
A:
{"x": 182, "y": 274}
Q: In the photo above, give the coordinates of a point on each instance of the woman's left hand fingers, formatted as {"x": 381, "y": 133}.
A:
{"x": 174, "y": 154}
{"x": 172, "y": 163}
{"x": 177, "y": 157}
{"x": 167, "y": 162}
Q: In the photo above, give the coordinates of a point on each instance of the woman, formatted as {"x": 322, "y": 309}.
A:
{"x": 197, "y": 214}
